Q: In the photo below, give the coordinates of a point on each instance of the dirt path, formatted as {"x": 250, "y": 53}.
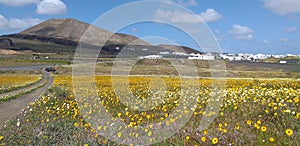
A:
{"x": 12, "y": 108}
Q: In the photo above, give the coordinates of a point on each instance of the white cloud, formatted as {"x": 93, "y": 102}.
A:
{"x": 188, "y": 3}
{"x": 18, "y": 3}
{"x": 3, "y": 22}
{"x": 178, "y": 16}
{"x": 185, "y": 3}
{"x": 289, "y": 29}
{"x": 265, "y": 42}
{"x": 46, "y": 7}
{"x": 245, "y": 37}
{"x": 51, "y": 7}
{"x": 241, "y": 32}
{"x": 284, "y": 40}
{"x": 282, "y": 7}
{"x": 217, "y": 31}
{"x": 210, "y": 15}
{"x": 16, "y": 23}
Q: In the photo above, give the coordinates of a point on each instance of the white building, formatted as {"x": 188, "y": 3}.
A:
{"x": 180, "y": 54}
{"x": 279, "y": 56}
{"x": 283, "y": 61}
{"x": 259, "y": 57}
{"x": 164, "y": 53}
{"x": 151, "y": 57}
{"x": 201, "y": 57}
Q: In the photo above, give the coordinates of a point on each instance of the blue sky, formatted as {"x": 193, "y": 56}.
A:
{"x": 241, "y": 26}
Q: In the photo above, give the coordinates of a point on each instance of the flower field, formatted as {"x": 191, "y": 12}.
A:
{"x": 12, "y": 82}
{"x": 251, "y": 112}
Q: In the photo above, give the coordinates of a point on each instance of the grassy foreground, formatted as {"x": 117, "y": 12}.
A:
{"x": 252, "y": 112}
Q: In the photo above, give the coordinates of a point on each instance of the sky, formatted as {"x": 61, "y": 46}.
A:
{"x": 240, "y": 26}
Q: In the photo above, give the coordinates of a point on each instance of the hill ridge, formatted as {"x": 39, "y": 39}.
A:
{"x": 64, "y": 35}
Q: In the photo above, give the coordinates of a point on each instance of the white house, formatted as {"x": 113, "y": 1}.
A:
{"x": 164, "y": 53}
{"x": 201, "y": 57}
{"x": 180, "y": 53}
{"x": 279, "y": 56}
{"x": 259, "y": 57}
{"x": 151, "y": 57}
{"x": 283, "y": 61}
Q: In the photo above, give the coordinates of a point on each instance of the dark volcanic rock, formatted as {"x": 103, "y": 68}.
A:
{"x": 6, "y": 43}
{"x": 43, "y": 39}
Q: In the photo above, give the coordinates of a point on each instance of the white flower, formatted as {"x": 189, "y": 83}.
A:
{"x": 18, "y": 123}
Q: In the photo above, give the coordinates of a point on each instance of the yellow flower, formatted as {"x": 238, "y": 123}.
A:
{"x": 119, "y": 134}
{"x": 119, "y": 115}
{"x": 272, "y": 139}
{"x": 205, "y": 132}
{"x": 237, "y": 127}
{"x": 249, "y": 122}
{"x": 221, "y": 113}
{"x": 87, "y": 125}
{"x": 86, "y": 144}
{"x": 258, "y": 122}
{"x": 203, "y": 139}
{"x": 296, "y": 99}
{"x": 225, "y": 124}
{"x": 215, "y": 140}
{"x": 220, "y": 125}
{"x": 263, "y": 128}
{"x": 187, "y": 137}
{"x": 297, "y": 115}
{"x": 149, "y": 133}
{"x": 1, "y": 137}
{"x": 289, "y": 132}
{"x": 76, "y": 124}
{"x": 256, "y": 126}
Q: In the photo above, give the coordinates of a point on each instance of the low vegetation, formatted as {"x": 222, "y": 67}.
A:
{"x": 16, "y": 95}
{"x": 252, "y": 112}
{"x": 10, "y": 82}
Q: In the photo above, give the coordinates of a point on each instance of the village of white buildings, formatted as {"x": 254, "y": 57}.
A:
{"x": 224, "y": 56}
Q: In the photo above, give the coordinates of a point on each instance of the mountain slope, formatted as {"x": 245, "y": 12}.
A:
{"x": 73, "y": 30}
{"x": 64, "y": 35}
{"x": 59, "y": 28}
